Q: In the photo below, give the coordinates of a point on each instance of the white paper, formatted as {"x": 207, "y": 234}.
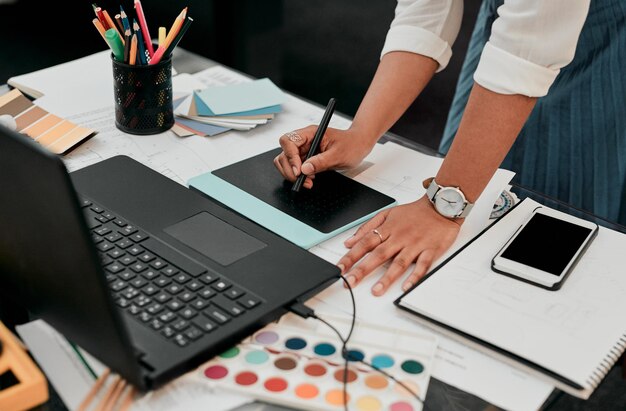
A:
{"x": 569, "y": 331}
{"x": 399, "y": 172}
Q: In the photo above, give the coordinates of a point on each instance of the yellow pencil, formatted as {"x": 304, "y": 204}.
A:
{"x": 133, "y": 50}
{"x": 162, "y": 33}
{"x": 178, "y": 23}
{"x": 100, "y": 28}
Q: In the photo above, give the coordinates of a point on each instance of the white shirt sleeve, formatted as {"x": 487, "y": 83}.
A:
{"x": 530, "y": 42}
{"x": 426, "y": 27}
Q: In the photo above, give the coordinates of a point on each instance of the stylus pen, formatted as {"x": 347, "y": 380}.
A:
{"x": 321, "y": 129}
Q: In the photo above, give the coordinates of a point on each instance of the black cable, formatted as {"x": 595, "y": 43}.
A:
{"x": 306, "y": 312}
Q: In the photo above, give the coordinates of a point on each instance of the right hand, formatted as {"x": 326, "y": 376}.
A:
{"x": 338, "y": 149}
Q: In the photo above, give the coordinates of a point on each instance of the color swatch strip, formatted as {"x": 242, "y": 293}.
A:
{"x": 56, "y": 134}
{"x": 305, "y": 370}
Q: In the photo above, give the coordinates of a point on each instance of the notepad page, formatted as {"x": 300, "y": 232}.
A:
{"x": 569, "y": 331}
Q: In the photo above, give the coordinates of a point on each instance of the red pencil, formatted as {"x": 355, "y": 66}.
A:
{"x": 101, "y": 17}
{"x": 144, "y": 27}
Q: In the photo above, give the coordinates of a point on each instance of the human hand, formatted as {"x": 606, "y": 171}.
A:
{"x": 406, "y": 234}
{"x": 338, "y": 149}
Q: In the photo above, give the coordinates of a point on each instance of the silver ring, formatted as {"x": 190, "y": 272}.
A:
{"x": 375, "y": 231}
{"x": 293, "y": 136}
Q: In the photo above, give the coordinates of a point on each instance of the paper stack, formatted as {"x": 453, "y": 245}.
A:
{"x": 215, "y": 110}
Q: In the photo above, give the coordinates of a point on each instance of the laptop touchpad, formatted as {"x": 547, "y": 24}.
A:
{"x": 215, "y": 238}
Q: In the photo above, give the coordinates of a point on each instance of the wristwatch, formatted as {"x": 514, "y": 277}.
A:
{"x": 450, "y": 202}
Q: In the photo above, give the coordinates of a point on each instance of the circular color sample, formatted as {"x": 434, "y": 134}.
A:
{"x": 307, "y": 391}
{"x": 216, "y": 372}
{"x": 382, "y": 361}
{"x": 266, "y": 337}
{"x": 285, "y": 363}
{"x": 401, "y": 406}
{"x": 415, "y": 389}
{"x": 335, "y": 397}
{"x": 412, "y": 367}
{"x": 354, "y": 355}
{"x": 246, "y": 378}
{"x": 369, "y": 403}
{"x": 275, "y": 384}
{"x": 315, "y": 370}
{"x": 295, "y": 343}
{"x": 340, "y": 373}
{"x": 324, "y": 349}
{"x": 376, "y": 382}
{"x": 257, "y": 357}
{"x": 232, "y": 353}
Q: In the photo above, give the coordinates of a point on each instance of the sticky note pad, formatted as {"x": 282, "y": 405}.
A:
{"x": 255, "y": 189}
{"x": 242, "y": 97}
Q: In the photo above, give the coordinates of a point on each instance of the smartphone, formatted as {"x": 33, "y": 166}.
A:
{"x": 545, "y": 249}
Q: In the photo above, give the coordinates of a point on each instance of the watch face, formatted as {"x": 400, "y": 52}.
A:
{"x": 449, "y": 202}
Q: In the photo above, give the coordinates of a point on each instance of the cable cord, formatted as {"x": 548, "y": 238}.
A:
{"x": 346, "y": 354}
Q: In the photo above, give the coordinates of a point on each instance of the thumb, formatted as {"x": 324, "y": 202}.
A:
{"x": 320, "y": 162}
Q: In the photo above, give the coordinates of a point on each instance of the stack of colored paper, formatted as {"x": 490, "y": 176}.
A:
{"x": 218, "y": 109}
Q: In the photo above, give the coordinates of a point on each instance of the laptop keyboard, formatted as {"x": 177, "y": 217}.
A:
{"x": 163, "y": 289}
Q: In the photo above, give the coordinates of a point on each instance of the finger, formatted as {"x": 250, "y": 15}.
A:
{"x": 279, "y": 166}
{"x": 424, "y": 261}
{"x": 371, "y": 262}
{"x": 398, "y": 266}
{"x": 367, "y": 228}
{"x": 288, "y": 171}
{"x": 292, "y": 143}
{"x": 320, "y": 162}
{"x": 308, "y": 183}
{"x": 367, "y": 244}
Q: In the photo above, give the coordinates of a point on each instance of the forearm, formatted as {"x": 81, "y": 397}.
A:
{"x": 489, "y": 127}
{"x": 399, "y": 79}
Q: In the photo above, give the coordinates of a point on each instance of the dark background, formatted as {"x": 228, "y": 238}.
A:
{"x": 317, "y": 49}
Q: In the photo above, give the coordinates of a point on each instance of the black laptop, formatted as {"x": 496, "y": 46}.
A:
{"x": 149, "y": 277}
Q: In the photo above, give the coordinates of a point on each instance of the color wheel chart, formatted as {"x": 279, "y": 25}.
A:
{"x": 303, "y": 368}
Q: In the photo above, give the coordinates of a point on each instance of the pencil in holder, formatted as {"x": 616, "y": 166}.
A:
{"x": 143, "y": 97}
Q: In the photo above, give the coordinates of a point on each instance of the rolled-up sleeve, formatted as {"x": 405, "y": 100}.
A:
{"x": 530, "y": 42}
{"x": 426, "y": 27}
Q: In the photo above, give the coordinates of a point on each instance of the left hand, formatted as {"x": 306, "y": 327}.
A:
{"x": 410, "y": 233}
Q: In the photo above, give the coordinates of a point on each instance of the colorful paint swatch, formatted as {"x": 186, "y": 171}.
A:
{"x": 56, "y": 134}
{"x": 305, "y": 368}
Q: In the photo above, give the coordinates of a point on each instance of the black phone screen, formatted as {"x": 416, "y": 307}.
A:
{"x": 547, "y": 243}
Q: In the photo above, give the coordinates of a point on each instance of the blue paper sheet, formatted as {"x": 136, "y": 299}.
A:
{"x": 240, "y": 99}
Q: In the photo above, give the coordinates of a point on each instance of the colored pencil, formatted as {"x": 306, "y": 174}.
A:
{"x": 100, "y": 16}
{"x": 118, "y": 21}
{"x": 141, "y": 49}
{"x": 124, "y": 17}
{"x": 127, "y": 46}
{"x": 133, "y": 50}
{"x": 111, "y": 24}
{"x": 144, "y": 27}
{"x": 100, "y": 28}
{"x": 158, "y": 55}
{"x": 180, "y": 35}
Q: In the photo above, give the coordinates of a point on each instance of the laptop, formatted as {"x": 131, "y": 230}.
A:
{"x": 151, "y": 278}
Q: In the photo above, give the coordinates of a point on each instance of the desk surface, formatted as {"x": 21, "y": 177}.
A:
{"x": 440, "y": 395}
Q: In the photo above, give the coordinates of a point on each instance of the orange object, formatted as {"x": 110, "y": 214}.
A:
{"x": 133, "y": 50}
{"x": 32, "y": 389}
{"x": 171, "y": 35}
{"x": 100, "y": 28}
{"x": 112, "y": 24}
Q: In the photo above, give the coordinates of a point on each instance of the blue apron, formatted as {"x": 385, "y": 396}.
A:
{"x": 573, "y": 146}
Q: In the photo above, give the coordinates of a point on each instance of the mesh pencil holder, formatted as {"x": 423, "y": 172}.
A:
{"x": 143, "y": 97}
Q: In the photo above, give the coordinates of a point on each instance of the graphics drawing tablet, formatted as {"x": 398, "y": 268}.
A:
{"x": 254, "y": 188}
